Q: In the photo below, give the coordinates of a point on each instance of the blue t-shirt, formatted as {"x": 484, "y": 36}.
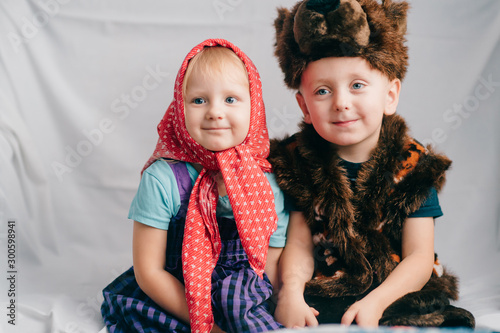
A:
{"x": 430, "y": 207}
{"x": 158, "y": 200}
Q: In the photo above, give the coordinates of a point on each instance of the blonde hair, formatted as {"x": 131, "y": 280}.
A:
{"x": 214, "y": 62}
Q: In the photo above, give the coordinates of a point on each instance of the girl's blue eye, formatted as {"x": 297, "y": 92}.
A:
{"x": 230, "y": 100}
{"x": 198, "y": 100}
{"x": 358, "y": 86}
{"x": 322, "y": 92}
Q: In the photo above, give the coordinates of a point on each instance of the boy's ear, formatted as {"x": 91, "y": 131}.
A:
{"x": 392, "y": 98}
{"x": 303, "y": 107}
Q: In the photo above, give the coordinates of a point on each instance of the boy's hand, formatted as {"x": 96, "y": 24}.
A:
{"x": 365, "y": 312}
{"x": 293, "y": 312}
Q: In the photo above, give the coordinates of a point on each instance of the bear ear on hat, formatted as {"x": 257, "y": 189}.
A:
{"x": 291, "y": 60}
{"x": 397, "y": 12}
{"x": 280, "y": 20}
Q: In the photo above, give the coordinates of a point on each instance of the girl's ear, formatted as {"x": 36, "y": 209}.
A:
{"x": 392, "y": 98}
{"x": 303, "y": 107}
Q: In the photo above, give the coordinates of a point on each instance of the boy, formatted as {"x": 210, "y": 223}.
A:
{"x": 367, "y": 190}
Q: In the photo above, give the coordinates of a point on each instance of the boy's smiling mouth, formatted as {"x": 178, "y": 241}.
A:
{"x": 345, "y": 123}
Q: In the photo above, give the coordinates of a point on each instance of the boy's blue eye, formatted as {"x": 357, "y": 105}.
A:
{"x": 198, "y": 100}
{"x": 322, "y": 92}
{"x": 358, "y": 86}
{"x": 230, "y": 100}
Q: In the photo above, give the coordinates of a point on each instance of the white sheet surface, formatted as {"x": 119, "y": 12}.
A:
{"x": 83, "y": 85}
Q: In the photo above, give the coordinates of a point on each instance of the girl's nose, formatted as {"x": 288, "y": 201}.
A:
{"x": 214, "y": 111}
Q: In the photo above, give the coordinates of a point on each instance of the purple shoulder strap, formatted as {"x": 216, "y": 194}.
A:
{"x": 183, "y": 180}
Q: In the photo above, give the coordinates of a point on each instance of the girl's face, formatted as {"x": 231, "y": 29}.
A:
{"x": 345, "y": 100}
{"x": 217, "y": 109}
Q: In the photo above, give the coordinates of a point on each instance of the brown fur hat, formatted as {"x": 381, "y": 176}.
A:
{"x": 315, "y": 29}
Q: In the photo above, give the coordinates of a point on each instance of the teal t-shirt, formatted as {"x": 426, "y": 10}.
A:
{"x": 157, "y": 200}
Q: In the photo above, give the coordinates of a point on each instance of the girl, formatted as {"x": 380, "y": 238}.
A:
{"x": 209, "y": 222}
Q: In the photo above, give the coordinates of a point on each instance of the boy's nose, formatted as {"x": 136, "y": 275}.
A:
{"x": 341, "y": 101}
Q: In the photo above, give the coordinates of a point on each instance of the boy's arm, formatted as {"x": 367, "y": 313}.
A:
{"x": 149, "y": 246}
{"x": 296, "y": 267}
{"x": 271, "y": 269}
{"x": 411, "y": 274}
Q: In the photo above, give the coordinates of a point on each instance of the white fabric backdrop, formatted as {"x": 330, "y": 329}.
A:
{"x": 83, "y": 85}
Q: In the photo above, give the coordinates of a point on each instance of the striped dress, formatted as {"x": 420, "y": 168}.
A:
{"x": 239, "y": 297}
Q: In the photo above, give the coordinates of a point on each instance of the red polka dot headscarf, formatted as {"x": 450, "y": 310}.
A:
{"x": 250, "y": 194}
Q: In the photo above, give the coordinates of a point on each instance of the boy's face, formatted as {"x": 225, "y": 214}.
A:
{"x": 345, "y": 100}
{"x": 217, "y": 110}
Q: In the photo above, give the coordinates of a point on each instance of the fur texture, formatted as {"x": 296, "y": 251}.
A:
{"x": 315, "y": 29}
{"x": 357, "y": 234}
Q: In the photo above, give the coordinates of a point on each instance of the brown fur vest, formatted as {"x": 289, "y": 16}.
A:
{"x": 357, "y": 234}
